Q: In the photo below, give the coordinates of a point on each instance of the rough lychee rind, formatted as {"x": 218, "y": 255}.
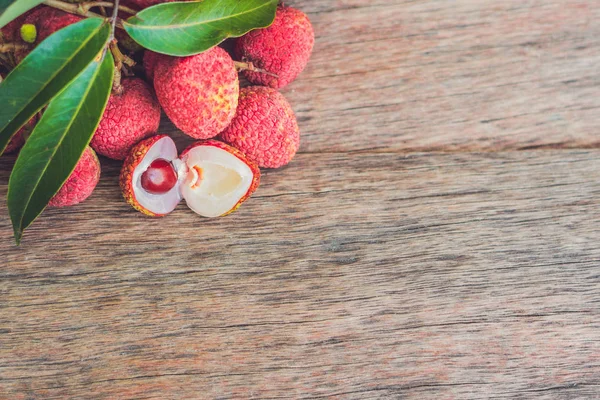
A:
{"x": 199, "y": 93}
{"x": 49, "y": 20}
{"x": 81, "y": 183}
{"x": 151, "y": 59}
{"x": 11, "y": 32}
{"x": 264, "y": 128}
{"x": 19, "y": 138}
{"x": 135, "y": 157}
{"x": 128, "y": 118}
{"x": 233, "y": 151}
{"x": 282, "y": 49}
{"x": 46, "y": 20}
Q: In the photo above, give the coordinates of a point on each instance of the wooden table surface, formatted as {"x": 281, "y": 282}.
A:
{"x": 437, "y": 236}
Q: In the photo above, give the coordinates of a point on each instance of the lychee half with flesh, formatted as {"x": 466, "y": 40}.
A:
{"x": 264, "y": 128}
{"x": 212, "y": 177}
{"x": 129, "y": 117}
{"x": 199, "y": 93}
{"x": 81, "y": 183}
{"x": 283, "y": 49}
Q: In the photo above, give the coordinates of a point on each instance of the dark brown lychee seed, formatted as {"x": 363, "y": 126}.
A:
{"x": 160, "y": 177}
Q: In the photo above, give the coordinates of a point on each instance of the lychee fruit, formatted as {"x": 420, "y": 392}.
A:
{"x": 11, "y": 32}
{"x": 264, "y": 127}
{"x": 19, "y": 138}
{"x": 199, "y": 93}
{"x": 150, "y": 61}
{"x": 81, "y": 183}
{"x": 212, "y": 177}
{"x": 46, "y": 20}
{"x": 283, "y": 49}
{"x": 129, "y": 116}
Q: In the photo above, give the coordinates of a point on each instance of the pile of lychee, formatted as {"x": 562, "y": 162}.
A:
{"x": 238, "y": 130}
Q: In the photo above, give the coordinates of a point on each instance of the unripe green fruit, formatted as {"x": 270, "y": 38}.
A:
{"x": 28, "y": 33}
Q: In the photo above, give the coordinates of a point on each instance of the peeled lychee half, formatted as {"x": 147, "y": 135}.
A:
{"x": 283, "y": 49}
{"x": 264, "y": 128}
{"x": 130, "y": 116}
{"x": 81, "y": 182}
{"x": 199, "y": 93}
{"x": 212, "y": 177}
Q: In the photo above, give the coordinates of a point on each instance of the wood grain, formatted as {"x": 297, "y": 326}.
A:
{"x": 372, "y": 276}
{"x": 407, "y": 252}
{"x": 450, "y": 75}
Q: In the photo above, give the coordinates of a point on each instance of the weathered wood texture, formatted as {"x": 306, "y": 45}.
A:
{"x": 450, "y": 75}
{"x": 372, "y": 276}
{"x": 361, "y": 271}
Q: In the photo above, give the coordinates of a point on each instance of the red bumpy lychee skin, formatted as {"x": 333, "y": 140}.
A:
{"x": 81, "y": 183}
{"x": 282, "y": 49}
{"x": 199, "y": 93}
{"x": 151, "y": 59}
{"x": 129, "y": 117}
{"x": 18, "y": 140}
{"x": 264, "y": 128}
{"x": 47, "y": 20}
{"x": 12, "y": 31}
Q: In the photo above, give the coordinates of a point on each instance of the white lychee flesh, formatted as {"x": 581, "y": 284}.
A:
{"x": 216, "y": 181}
{"x": 212, "y": 180}
{"x": 157, "y": 203}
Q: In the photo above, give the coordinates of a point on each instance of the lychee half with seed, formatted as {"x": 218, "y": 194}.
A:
{"x": 212, "y": 177}
{"x": 283, "y": 49}
{"x": 199, "y": 93}
{"x": 81, "y": 183}
{"x": 264, "y": 128}
{"x": 129, "y": 117}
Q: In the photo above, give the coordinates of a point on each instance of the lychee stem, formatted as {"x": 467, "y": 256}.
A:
{"x": 119, "y": 56}
{"x": 10, "y": 47}
{"x": 248, "y": 66}
{"x": 77, "y": 10}
{"x": 113, "y": 21}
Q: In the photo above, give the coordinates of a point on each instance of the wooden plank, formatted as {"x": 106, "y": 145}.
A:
{"x": 450, "y": 75}
{"x": 359, "y": 276}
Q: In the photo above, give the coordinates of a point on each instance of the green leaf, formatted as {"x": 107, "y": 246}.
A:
{"x": 11, "y": 9}
{"x": 57, "y": 142}
{"x": 183, "y": 29}
{"x": 47, "y": 70}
